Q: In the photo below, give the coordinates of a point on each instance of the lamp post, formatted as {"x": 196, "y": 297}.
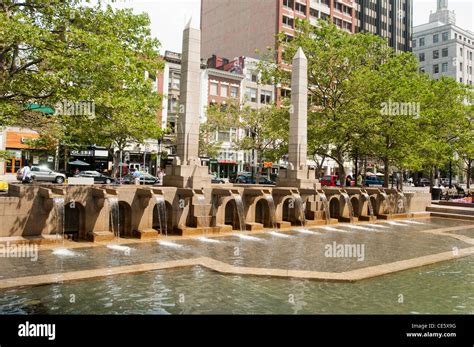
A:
{"x": 158, "y": 156}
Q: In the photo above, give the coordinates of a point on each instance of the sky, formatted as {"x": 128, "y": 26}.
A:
{"x": 168, "y": 17}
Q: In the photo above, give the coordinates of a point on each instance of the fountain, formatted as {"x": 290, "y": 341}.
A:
{"x": 401, "y": 202}
{"x": 324, "y": 200}
{"x": 271, "y": 209}
{"x": 240, "y": 211}
{"x": 348, "y": 203}
{"x": 114, "y": 216}
{"x": 369, "y": 204}
{"x": 300, "y": 206}
{"x": 162, "y": 215}
{"x": 58, "y": 204}
{"x": 384, "y": 195}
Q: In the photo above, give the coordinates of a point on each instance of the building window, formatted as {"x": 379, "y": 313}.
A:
{"x": 421, "y": 56}
{"x": 213, "y": 88}
{"x": 300, "y": 8}
{"x": 436, "y": 54}
{"x": 444, "y": 52}
{"x": 325, "y": 2}
{"x": 444, "y": 67}
{"x": 460, "y": 79}
{"x": 436, "y": 68}
{"x": 470, "y": 55}
{"x": 224, "y": 90}
{"x": 422, "y": 41}
{"x": 285, "y": 93}
{"x": 435, "y": 38}
{"x": 251, "y": 94}
{"x": 288, "y": 4}
{"x": 313, "y": 13}
{"x": 234, "y": 92}
{"x": 266, "y": 97}
{"x": 460, "y": 52}
{"x": 287, "y": 21}
{"x": 414, "y": 43}
{"x": 445, "y": 36}
{"x": 460, "y": 67}
{"x": 223, "y": 136}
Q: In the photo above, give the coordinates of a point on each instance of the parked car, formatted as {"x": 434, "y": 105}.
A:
{"x": 423, "y": 182}
{"x": 97, "y": 176}
{"x": 233, "y": 176}
{"x": 250, "y": 180}
{"x": 45, "y": 174}
{"x": 374, "y": 181}
{"x": 330, "y": 180}
{"x": 145, "y": 178}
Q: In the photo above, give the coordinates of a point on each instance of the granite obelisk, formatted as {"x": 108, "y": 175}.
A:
{"x": 186, "y": 170}
{"x": 298, "y": 173}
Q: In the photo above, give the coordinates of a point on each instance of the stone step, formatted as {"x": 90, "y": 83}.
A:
{"x": 452, "y": 215}
{"x": 468, "y": 211}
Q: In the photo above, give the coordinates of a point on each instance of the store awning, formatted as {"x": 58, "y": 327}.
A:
{"x": 78, "y": 163}
{"x": 40, "y": 108}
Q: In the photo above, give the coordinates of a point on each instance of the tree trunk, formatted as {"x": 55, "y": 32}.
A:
{"x": 342, "y": 170}
{"x": 386, "y": 175}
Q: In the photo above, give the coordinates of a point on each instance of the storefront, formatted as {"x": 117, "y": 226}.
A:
{"x": 98, "y": 158}
{"x": 18, "y": 143}
{"x": 224, "y": 168}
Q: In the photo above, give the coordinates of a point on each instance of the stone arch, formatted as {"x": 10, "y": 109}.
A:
{"x": 262, "y": 213}
{"x": 357, "y": 205}
{"x": 231, "y": 216}
{"x": 166, "y": 215}
{"x": 335, "y": 207}
{"x": 125, "y": 217}
{"x": 74, "y": 221}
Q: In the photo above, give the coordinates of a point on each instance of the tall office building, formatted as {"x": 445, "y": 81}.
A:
{"x": 390, "y": 19}
{"x": 233, "y": 28}
{"x": 443, "y": 48}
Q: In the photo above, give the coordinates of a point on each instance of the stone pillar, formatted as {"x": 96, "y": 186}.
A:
{"x": 186, "y": 170}
{"x": 297, "y": 173}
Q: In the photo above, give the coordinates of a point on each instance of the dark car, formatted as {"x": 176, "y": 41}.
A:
{"x": 145, "y": 178}
{"x": 423, "y": 182}
{"x": 97, "y": 176}
{"x": 249, "y": 180}
{"x": 234, "y": 176}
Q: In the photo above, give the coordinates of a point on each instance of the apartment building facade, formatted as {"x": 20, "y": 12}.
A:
{"x": 444, "y": 49}
{"x": 247, "y": 27}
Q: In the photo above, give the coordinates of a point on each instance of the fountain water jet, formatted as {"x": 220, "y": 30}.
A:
{"x": 162, "y": 215}
{"x": 327, "y": 211}
{"x": 240, "y": 211}
{"x": 369, "y": 203}
{"x": 114, "y": 216}
{"x": 271, "y": 209}
{"x": 300, "y": 208}
{"x": 59, "y": 210}
{"x": 348, "y": 203}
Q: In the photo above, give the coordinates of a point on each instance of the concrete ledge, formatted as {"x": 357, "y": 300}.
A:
{"x": 100, "y": 236}
{"x": 146, "y": 234}
{"x": 215, "y": 265}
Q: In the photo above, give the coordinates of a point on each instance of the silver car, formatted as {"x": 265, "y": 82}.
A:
{"x": 43, "y": 173}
